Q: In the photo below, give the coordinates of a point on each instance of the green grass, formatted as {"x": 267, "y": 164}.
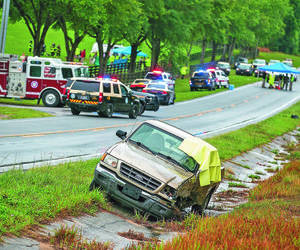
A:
{"x": 7, "y": 113}
{"x": 41, "y": 194}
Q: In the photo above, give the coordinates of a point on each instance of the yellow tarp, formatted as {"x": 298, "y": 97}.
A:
{"x": 207, "y": 156}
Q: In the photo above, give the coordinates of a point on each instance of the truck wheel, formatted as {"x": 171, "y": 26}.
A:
{"x": 142, "y": 109}
{"x": 101, "y": 114}
{"x": 75, "y": 111}
{"x": 109, "y": 110}
{"x": 134, "y": 111}
{"x": 94, "y": 185}
{"x": 51, "y": 98}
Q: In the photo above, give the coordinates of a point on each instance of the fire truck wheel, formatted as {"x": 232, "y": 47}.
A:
{"x": 134, "y": 112}
{"x": 109, "y": 110}
{"x": 51, "y": 98}
{"x": 75, "y": 111}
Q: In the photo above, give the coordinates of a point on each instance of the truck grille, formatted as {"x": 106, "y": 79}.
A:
{"x": 139, "y": 177}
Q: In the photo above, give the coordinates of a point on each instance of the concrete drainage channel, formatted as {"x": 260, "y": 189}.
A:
{"x": 257, "y": 164}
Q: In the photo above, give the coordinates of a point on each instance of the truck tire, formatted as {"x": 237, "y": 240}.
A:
{"x": 51, "y": 98}
{"x": 199, "y": 209}
{"x": 133, "y": 113}
{"x": 109, "y": 110}
{"x": 75, "y": 111}
{"x": 142, "y": 109}
{"x": 94, "y": 185}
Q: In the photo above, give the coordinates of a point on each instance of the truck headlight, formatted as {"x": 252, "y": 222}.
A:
{"x": 170, "y": 192}
{"x": 110, "y": 160}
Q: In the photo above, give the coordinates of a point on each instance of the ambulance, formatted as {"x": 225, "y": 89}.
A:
{"x": 38, "y": 78}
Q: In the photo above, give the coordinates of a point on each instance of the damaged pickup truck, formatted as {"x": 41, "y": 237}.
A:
{"x": 160, "y": 170}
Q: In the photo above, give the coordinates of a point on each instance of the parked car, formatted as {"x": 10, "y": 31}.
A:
{"x": 104, "y": 96}
{"x": 239, "y": 60}
{"x": 163, "y": 91}
{"x": 225, "y": 66}
{"x": 245, "y": 69}
{"x": 155, "y": 170}
{"x": 273, "y": 61}
{"x": 202, "y": 80}
{"x": 288, "y": 62}
{"x": 256, "y": 64}
{"x": 139, "y": 84}
{"x": 159, "y": 76}
{"x": 221, "y": 79}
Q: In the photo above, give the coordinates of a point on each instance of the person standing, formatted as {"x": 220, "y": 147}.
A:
{"x": 148, "y": 63}
{"x": 291, "y": 81}
{"x": 271, "y": 81}
{"x": 111, "y": 59}
{"x": 52, "y": 49}
{"x": 77, "y": 54}
{"x": 285, "y": 81}
{"x": 58, "y": 50}
{"x": 82, "y": 55}
{"x": 183, "y": 71}
{"x": 30, "y": 47}
{"x": 264, "y": 76}
{"x": 43, "y": 50}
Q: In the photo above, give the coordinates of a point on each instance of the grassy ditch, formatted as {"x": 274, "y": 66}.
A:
{"x": 40, "y": 195}
{"x": 269, "y": 221}
{"x": 7, "y": 113}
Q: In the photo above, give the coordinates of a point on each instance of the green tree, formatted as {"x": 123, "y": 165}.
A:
{"x": 109, "y": 25}
{"x": 169, "y": 24}
{"x": 74, "y": 17}
{"x": 289, "y": 42}
{"x": 136, "y": 32}
{"x": 38, "y": 15}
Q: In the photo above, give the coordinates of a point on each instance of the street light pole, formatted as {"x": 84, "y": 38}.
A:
{"x": 4, "y": 22}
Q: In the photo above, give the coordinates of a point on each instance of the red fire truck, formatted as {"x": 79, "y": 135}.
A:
{"x": 37, "y": 78}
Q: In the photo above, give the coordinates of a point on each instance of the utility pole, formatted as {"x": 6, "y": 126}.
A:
{"x": 4, "y": 22}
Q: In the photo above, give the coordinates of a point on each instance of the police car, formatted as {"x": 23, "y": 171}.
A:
{"x": 158, "y": 76}
{"x": 102, "y": 95}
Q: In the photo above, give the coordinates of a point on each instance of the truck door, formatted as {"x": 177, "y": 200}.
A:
{"x": 16, "y": 82}
{"x": 125, "y": 100}
{"x": 34, "y": 78}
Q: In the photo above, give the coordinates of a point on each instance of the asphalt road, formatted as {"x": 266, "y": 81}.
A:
{"x": 32, "y": 142}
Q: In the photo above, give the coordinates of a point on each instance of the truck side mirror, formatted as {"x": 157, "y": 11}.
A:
{"x": 121, "y": 134}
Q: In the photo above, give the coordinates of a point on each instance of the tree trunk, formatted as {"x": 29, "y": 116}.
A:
{"x": 255, "y": 45}
{"x": 189, "y": 53}
{"x": 155, "y": 52}
{"x": 203, "y": 50}
{"x": 133, "y": 56}
{"x": 230, "y": 51}
{"x": 224, "y": 52}
{"x": 214, "y": 51}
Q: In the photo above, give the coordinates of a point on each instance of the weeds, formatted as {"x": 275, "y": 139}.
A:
{"x": 233, "y": 184}
{"x": 70, "y": 238}
{"x": 231, "y": 177}
{"x": 259, "y": 173}
{"x": 254, "y": 176}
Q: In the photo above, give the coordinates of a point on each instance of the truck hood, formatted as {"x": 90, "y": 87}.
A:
{"x": 153, "y": 165}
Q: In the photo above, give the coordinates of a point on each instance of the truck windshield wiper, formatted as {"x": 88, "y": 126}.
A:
{"x": 140, "y": 144}
{"x": 173, "y": 160}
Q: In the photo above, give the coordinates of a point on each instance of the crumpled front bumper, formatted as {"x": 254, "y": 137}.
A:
{"x": 146, "y": 202}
